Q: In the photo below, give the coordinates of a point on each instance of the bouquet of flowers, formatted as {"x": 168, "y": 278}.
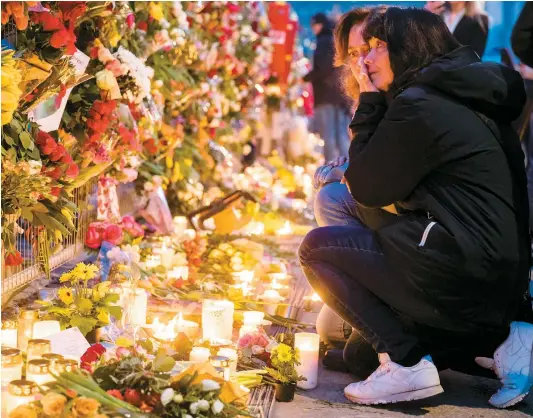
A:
{"x": 284, "y": 360}
{"x": 255, "y": 348}
{"x": 78, "y": 305}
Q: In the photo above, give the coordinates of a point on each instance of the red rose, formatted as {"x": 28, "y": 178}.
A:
{"x": 150, "y": 146}
{"x": 55, "y": 191}
{"x": 67, "y": 159}
{"x": 93, "y": 53}
{"x": 50, "y": 22}
{"x": 115, "y": 394}
{"x": 142, "y": 26}
{"x": 58, "y": 153}
{"x": 133, "y": 397}
{"x": 72, "y": 171}
{"x": 93, "y": 239}
{"x": 14, "y": 259}
{"x": 178, "y": 283}
{"x": 55, "y": 174}
{"x": 113, "y": 234}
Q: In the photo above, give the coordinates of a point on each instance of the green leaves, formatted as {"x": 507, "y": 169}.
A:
{"x": 162, "y": 362}
{"x": 115, "y": 312}
{"x": 84, "y": 324}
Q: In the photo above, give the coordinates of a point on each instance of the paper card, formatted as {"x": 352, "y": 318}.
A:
{"x": 48, "y": 114}
{"x": 69, "y": 343}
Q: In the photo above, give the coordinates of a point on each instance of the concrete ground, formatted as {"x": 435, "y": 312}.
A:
{"x": 464, "y": 397}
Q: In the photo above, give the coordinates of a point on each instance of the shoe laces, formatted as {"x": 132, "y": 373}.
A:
{"x": 380, "y": 371}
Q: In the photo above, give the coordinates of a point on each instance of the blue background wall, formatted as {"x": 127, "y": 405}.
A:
{"x": 503, "y": 15}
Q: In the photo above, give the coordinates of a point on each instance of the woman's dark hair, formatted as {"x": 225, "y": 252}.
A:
{"x": 414, "y": 37}
{"x": 341, "y": 36}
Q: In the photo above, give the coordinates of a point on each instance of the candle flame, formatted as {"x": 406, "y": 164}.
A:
{"x": 166, "y": 332}
{"x": 315, "y": 297}
{"x": 286, "y": 230}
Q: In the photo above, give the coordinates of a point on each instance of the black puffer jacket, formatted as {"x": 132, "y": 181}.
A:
{"x": 463, "y": 237}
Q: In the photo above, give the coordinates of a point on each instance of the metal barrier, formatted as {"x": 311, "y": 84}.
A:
{"x": 14, "y": 278}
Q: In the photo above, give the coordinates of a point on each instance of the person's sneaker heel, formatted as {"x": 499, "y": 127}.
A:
{"x": 400, "y": 397}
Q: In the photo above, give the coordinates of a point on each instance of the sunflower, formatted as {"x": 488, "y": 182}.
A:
{"x": 84, "y": 271}
{"x": 66, "y": 277}
{"x": 65, "y": 295}
{"x": 85, "y": 306}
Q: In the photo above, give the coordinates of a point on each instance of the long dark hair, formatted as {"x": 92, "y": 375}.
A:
{"x": 414, "y": 37}
{"x": 341, "y": 36}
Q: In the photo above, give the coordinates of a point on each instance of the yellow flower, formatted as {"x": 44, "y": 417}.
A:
{"x": 283, "y": 352}
{"x": 156, "y": 10}
{"x": 123, "y": 342}
{"x": 103, "y": 316}
{"x": 85, "y": 407}
{"x": 66, "y": 277}
{"x": 65, "y": 295}
{"x": 53, "y": 404}
{"x": 23, "y": 411}
{"x": 85, "y": 306}
{"x": 85, "y": 271}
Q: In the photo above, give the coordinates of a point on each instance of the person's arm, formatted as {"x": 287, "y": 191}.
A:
{"x": 522, "y": 36}
{"x": 322, "y": 62}
{"x": 388, "y": 157}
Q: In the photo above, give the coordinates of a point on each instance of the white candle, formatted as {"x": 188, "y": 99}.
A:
{"x": 189, "y": 234}
{"x": 281, "y": 276}
{"x": 217, "y": 319}
{"x": 20, "y": 392}
{"x": 286, "y": 230}
{"x": 180, "y": 225}
{"x": 38, "y": 371}
{"x": 43, "y": 329}
{"x": 152, "y": 261}
{"x": 167, "y": 254}
{"x": 232, "y": 355}
{"x": 9, "y": 338}
{"x": 11, "y": 365}
{"x": 271, "y": 296}
{"x": 200, "y": 354}
{"x": 179, "y": 272}
{"x": 308, "y": 345}
{"x": 135, "y": 303}
{"x": 253, "y": 318}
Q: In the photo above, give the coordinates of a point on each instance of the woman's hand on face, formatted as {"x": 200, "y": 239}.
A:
{"x": 360, "y": 72}
{"x": 436, "y": 7}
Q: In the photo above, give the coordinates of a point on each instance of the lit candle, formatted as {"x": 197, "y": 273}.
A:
{"x": 243, "y": 276}
{"x": 138, "y": 307}
{"x": 20, "y": 392}
{"x": 9, "y": 338}
{"x": 286, "y": 230}
{"x": 43, "y": 329}
{"x": 217, "y": 319}
{"x": 189, "y": 234}
{"x": 232, "y": 355}
{"x": 313, "y": 303}
{"x": 308, "y": 345}
{"x": 180, "y": 225}
{"x": 271, "y": 298}
{"x": 54, "y": 360}
{"x": 39, "y": 371}
{"x": 179, "y": 272}
{"x": 281, "y": 276}
{"x": 189, "y": 328}
{"x": 11, "y": 365}
{"x": 200, "y": 354}
{"x": 67, "y": 365}
{"x": 166, "y": 254}
{"x": 25, "y": 327}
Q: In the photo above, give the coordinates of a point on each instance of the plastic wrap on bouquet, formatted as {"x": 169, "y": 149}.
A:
{"x": 108, "y": 207}
{"x": 33, "y": 70}
{"x": 103, "y": 259}
{"x": 158, "y": 213}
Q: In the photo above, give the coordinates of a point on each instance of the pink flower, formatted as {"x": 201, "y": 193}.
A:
{"x": 113, "y": 234}
{"x": 122, "y": 352}
{"x": 93, "y": 239}
{"x": 115, "y": 67}
{"x": 245, "y": 341}
{"x": 130, "y": 20}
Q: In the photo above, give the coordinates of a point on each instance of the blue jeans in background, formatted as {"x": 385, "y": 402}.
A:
{"x": 331, "y": 122}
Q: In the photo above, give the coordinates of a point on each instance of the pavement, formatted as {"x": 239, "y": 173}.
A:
{"x": 464, "y": 396}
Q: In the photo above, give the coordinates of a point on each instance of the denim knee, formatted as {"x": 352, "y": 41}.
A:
{"x": 312, "y": 241}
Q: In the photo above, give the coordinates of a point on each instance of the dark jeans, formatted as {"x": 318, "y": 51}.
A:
{"x": 346, "y": 267}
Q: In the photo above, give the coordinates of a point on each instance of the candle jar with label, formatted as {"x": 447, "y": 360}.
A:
{"x": 231, "y": 355}
{"x": 36, "y": 349}
{"x": 9, "y": 334}
{"x": 11, "y": 365}
{"x": 25, "y": 329}
{"x": 222, "y": 365}
{"x": 19, "y": 392}
{"x": 53, "y": 359}
{"x": 38, "y": 371}
{"x": 66, "y": 365}
{"x": 308, "y": 345}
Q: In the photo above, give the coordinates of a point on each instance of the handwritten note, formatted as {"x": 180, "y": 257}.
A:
{"x": 69, "y": 343}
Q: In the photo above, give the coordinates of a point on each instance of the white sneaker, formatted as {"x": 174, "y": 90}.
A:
{"x": 513, "y": 364}
{"x": 392, "y": 383}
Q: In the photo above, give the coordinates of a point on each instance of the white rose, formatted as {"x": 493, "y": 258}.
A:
{"x": 34, "y": 167}
{"x": 257, "y": 349}
{"x": 203, "y": 405}
{"x": 209, "y": 385}
{"x": 178, "y": 398}
{"x": 217, "y": 407}
{"x": 193, "y": 408}
{"x": 167, "y": 396}
{"x": 105, "y": 80}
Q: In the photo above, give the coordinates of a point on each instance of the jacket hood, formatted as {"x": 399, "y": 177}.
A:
{"x": 489, "y": 88}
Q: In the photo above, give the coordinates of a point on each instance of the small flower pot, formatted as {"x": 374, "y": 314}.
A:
{"x": 285, "y": 392}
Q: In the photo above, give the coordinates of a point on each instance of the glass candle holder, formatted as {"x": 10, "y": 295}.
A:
{"x": 200, "y": 354}
{"x": 222, "y": 364}
{"x": 9, "y": 334}
{"x": 43, "y": 329}
{"x": 25, "y": 328}
{"x": 53, "y": 359}
{"x": 66, "y": 365}
{"x": 217, "y": 319}
{"x": 38, "y": 371}
{"x": 20, "y": 392}
{"x": 231, "y": 355}
{"x": 11, "y": 365}
{"x": 36, "y": 348}
{"x": 308, "y": 345}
